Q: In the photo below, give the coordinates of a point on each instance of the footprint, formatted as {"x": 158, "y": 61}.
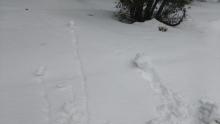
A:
{"x": 40, "y": 71}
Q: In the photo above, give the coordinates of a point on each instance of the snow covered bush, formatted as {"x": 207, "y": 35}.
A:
{"x": 170, "y": 12}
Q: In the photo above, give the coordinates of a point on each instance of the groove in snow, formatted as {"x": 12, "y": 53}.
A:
{"x": 75, "y": 42}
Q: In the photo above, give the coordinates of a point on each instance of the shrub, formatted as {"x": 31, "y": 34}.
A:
{"x": 170, "y": 12}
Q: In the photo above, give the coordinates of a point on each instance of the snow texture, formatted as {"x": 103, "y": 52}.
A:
{"x": 172, "y": 109}
{"x": 207, "y": 112}
{"x": 66, "y": 99}
{"x": 68, "y": 62}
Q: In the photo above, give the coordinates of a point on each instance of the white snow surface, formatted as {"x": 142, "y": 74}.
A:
{"x": 71, "y": 62}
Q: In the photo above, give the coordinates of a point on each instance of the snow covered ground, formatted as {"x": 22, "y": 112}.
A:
{"x": 71, "y": 62}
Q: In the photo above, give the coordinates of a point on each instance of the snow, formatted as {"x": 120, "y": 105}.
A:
{"x": 72, "y": 62}
{"x": 172, "y": 110}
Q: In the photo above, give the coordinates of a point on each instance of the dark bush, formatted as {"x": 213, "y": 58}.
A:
{"x": 170, "y": 12}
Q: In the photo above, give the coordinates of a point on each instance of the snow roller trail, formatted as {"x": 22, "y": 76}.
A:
{"x": 172, "y": 109}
